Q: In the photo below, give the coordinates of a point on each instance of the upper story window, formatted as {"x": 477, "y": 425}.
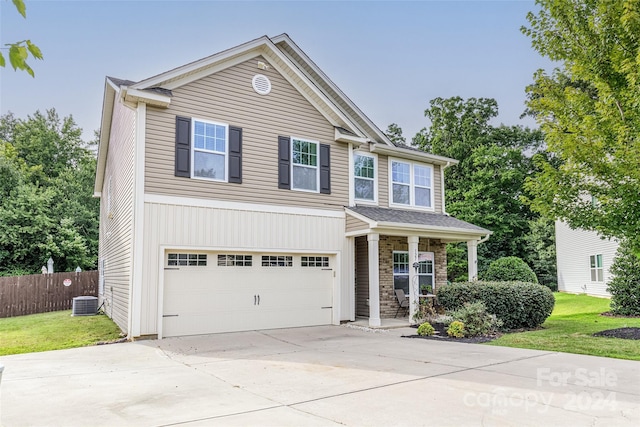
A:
{"x": 304, "y": 165}
{"x": 411, "y": 184}
{"x": 209, "y": 150}
{"x": 597, "y": 273}
{"x": 365, "y": 177}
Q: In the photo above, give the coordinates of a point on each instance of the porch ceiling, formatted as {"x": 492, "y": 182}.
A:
{"x": 398, "y": 222}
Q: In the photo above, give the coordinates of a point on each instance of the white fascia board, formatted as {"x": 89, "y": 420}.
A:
{"x": 134, "y": 96}
{"x": 277, "y": 53}
{"x": 367, "y": 220}
{"x": 110, "y": 91}
{"x": 471, "y": 234}
{"x": 356, "y": 140}
{"x": 284, "y": 38}
{"x": 412, "y": 155}
{"x": 240, "y": 206}
{"x": 201, "y": 63}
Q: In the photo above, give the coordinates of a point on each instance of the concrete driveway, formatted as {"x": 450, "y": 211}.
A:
{"x": 319, "y": 376}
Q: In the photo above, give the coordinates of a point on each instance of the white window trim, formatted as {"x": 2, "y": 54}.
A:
{"x": 433, "y": 274}
{"x": 412, "y": 185}
{"x": 316, "y": 167}
{"x": 194, "y": 149}
{"x": 375, "y": 177}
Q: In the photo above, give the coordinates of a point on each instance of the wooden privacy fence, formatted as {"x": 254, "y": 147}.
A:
{"x": 40, "y": 293}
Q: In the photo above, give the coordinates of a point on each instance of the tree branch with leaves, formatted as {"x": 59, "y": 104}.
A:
{"x": 19, "y": 51}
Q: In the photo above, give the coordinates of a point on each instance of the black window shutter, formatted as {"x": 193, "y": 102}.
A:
{"x": 284, "y": 162}
{"x": 325, "y": 169}
{"x": 235, "y": 154}
{"x": 183, "y": 146}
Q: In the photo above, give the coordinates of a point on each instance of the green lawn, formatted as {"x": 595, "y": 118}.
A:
{"x": 54, "y": 331}
{"x": 569, "y": 329}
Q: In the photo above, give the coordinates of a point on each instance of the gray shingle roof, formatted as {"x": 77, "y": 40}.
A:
{"x": 415, "y": 217}
{"x": 123, "y": 82}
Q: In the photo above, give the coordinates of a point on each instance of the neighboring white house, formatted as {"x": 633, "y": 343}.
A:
{"x": 584, "y": 259}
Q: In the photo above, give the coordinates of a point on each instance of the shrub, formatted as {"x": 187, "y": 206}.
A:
{"x": 456, "y": 329}
{"x": 509, "y": 268}
{"x": 476, "y": 319}
{"x": 426, "y": 329}
{"x": 625, "y": 285}
{"x": 517, "y": 304}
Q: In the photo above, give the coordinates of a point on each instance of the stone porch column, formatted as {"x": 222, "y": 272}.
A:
{"x": 413, "y": 276}
{"x": 472, "y": 259}
{"x": 374, "y": 279}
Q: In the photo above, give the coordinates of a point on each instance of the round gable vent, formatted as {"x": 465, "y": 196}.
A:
{"x": 261, "y": 84}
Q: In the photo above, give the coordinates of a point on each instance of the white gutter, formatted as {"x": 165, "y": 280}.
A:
{"x": 420, "y": 156}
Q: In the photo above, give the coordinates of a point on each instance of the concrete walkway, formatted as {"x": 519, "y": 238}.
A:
{"x": 319, "y": 376}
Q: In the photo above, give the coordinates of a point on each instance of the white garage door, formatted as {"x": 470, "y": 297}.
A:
{"x": 225, "y": 292}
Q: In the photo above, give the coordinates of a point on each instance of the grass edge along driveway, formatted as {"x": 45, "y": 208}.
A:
{"x": 570, "y": 327}
{"x": 54, "y": 331}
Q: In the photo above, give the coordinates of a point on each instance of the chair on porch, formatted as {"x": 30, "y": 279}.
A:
{"x": 403, "y": 302}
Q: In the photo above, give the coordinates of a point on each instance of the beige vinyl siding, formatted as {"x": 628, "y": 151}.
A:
{"x": 573, "y": 249}
{"x": 228, "y": 97}
{"x": 384, "y": 180}
{"x": 206, "y": 228}
{"x": 362, "y": 276}
{"x": 116, "y": 226}
{"x": 354, "y": 224}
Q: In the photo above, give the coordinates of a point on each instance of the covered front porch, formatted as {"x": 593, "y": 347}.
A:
{"x": 398, "y": 249}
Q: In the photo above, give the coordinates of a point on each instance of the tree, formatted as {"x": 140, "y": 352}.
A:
{"x": 625, "y": 285}
{"x": 19, "y": 51}
{"x": 485, "y": 188}
{"x": 394, "y": 133}
{"x": 46, "y": 187}
{"x": 588, "y": 110}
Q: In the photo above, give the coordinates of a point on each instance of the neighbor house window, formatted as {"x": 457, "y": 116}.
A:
{"x": 209, "y": 150}
{"x": 187, "y": 260}
{"x": 597, "y": 273}
{"x": 304, "y": 165}
{"x": 401, "y": 271}
{"x": 364, "y": 176}
{"x": 277, "y": 261}
{"x": 411, "y": 184}
{"x": 314, "y": 261}
{"x": 235, "y": 260}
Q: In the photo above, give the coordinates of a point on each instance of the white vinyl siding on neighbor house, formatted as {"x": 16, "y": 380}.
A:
{"x": 365, "y": 177}
{"x": 228, "y": 97}
{"x": 209, "y": 150}
{"x": 411, "y": 184}
{"x": 583, "y": 260}
{"x": 116, "y": 217}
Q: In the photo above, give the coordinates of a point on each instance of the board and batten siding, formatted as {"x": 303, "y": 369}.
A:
{"x": 205, "y": 228}
{"x": 228, "y": 97}
{"x": 116, "y": 225}
{"x": 573, "y": 251}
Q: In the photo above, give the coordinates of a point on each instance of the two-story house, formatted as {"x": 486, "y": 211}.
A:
{"x": 245, "y": 191}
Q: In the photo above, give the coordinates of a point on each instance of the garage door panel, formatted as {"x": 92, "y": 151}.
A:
{"x": 212, "y": 298}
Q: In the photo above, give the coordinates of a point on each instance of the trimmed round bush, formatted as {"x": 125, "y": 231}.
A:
{"x": 517, "y": 304}
{"x": 509, "y": 269}
{"x": 426, "y": 329}
{"x": 456, "y": 329}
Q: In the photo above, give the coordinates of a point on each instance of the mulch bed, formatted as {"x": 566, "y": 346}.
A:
{"x": 441, "y": 335}
{"x": 624, "y": 333}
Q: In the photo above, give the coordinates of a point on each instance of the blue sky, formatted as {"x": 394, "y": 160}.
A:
{"x": 390, "y": 58}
